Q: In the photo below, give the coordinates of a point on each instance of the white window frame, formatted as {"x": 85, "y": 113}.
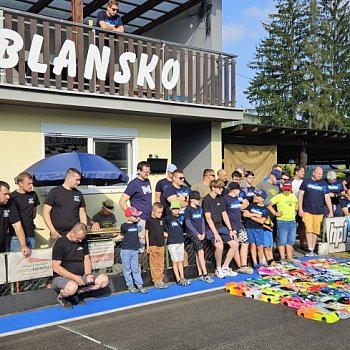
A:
{"x": 93, "y": 133}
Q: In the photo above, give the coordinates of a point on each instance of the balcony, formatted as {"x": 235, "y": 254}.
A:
{"x": 99, "y": 63}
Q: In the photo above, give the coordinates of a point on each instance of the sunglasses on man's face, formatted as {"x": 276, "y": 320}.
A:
{"x": 114, "y": 9}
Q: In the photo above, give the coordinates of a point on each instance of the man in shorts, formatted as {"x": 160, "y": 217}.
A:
{"x": 217, "y": 233}
{"x": 313, "y": 193}
{"x": 72, "y": 269}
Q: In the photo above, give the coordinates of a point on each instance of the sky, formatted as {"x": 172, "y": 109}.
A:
{"x": 242, "y": 31}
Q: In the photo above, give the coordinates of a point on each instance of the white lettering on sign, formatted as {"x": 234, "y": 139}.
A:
{"x": 11, "y": 43}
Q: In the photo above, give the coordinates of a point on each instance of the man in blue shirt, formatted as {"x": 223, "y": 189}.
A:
{"x": 313, "y": 194}
{"x": 109, "y": 19}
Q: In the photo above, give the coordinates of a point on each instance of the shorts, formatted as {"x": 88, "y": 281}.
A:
{"x": 60, "y": 282}
{"x": 256, "y": 236}
{"x": 242, "y": 236}
{"x": 177, "y": 252}
{"x": 197, "y": 244}
{"x": 313, "y": 223}
{"x": 223, "y": 232}
{"x": 286, "y": 232}
{"x": 268, "y": 238}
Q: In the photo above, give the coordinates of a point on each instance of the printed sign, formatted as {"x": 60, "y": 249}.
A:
{"x": 338, "y": 234}
{"x": 2, "y": 269}
{"x": 37, "y": 265}
{"x": 101, "y": 253}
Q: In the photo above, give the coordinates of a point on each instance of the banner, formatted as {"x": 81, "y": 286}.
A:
{"x": 337, "y": 231}
{"x": 2, "y": 269}
{"x": 37, "y": 265}
{"x": 101, "y": 253}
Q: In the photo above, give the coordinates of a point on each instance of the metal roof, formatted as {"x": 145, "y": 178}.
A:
{"x": 138, "y": 16}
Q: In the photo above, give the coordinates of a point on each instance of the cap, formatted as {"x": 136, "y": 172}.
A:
{"x": 233, "y": 186}
{"x": 287, "y": 186}
{"x": 171, "y": 168}
{"x": 276, "y": 173}
{"x": 195, "y": 195}
{"x": 261, "y": 193}
{"x": 108, "y": 204}
{"x": 175, "y": 205}
{"x": 131, "y": 211}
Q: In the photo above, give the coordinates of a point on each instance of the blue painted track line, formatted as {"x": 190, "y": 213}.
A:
{"x": 51, "y": 315}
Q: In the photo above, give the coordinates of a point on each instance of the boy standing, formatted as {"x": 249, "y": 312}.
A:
{"x": 195, "y": 225}
{"x": 287, "y": 206}
{"x": 175, "y": 242}
{"x": 129, "y": 252}
{"x": 155, "y": 245}
{"x": 256, "y": 215}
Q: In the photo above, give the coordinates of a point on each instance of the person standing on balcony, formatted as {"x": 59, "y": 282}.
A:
{"x": 109, "y": 19}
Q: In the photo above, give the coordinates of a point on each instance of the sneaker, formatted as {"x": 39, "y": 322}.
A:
{"x": 133, "y": 289}
{"x": 183, "y": 282}
{"x": 247, "y": 270}
{"x": 219, "y": 273}
{"x": 143, "y": 290}
{"x": 207, "y": 279}
{"x": 162, "y": 285}
{"x": 76, "y": 299}
{"x": 227, "y": 271}
{"x": 310, "y": 253}
{"x": 66, "y": 304}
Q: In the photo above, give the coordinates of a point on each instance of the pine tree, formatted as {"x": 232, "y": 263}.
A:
{"x": 276, "y": 89}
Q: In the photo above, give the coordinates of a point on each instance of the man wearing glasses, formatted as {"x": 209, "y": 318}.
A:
{"x": 109, "y": 19}
{"x": 72, "y": 269}
{"x": 177, "y": 191}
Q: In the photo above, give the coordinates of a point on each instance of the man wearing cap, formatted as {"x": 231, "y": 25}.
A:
{"x": 287, "y": 206}
{"x": 105, "y": 217}
{"x": 163, "y": 184}
{"x": 234, "y": 209}
{"x": 313, "y": 193}
{"x": 203, "y": 187}
{"x": 270, "y": 186}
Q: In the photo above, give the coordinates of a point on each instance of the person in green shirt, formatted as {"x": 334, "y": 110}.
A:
{"x": 287, "y": 206}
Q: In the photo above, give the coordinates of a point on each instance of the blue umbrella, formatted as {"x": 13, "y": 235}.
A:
{"x": 94, "y": 169}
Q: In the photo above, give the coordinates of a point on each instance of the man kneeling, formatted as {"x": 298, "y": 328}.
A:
{"x": 72, "y": 269}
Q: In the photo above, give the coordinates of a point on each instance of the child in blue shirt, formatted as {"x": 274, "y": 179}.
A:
{"x": 129, "y": 252}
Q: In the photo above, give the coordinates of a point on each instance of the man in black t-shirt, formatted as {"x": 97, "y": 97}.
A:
{"x": 72, "y": 268}
{"x": 26, "y": 201}
{"x": 9, "y": 216}
{"x": 219, "y": 229}
{"x": 64, "y": 206}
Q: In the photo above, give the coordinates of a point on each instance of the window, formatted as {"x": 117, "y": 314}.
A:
{"x": 115, "y": 145}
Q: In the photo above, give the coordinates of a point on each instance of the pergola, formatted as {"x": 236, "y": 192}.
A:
{"x": 303, "y": 146}
{"x": 139, "y": 16}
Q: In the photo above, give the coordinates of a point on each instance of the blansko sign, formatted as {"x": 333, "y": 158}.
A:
{"x": 11, "y": 43}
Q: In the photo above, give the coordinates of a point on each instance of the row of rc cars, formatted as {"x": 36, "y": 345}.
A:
{"x": 319, "y": 289}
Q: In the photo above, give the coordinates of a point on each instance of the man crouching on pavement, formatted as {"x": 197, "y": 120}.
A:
{"x": 72, "y": 269}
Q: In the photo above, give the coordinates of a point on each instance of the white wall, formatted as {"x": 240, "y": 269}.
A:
{"x": 188, "y": 30}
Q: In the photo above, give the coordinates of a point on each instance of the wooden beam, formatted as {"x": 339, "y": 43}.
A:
{"x": 38, "y": 6}
{"x": 77, "y": 11}
{"x": 93, "y": 6}
{"x": 185, "y": 7}
{"x": 139, "y": 10}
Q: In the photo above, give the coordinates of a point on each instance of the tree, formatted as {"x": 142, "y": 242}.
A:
{"x": 303, "y": 66}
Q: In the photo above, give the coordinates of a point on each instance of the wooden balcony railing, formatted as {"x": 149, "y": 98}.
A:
{"x": 204, "y": 77}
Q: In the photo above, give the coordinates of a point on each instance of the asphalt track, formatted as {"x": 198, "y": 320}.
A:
{"x": 213, "y": 320}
